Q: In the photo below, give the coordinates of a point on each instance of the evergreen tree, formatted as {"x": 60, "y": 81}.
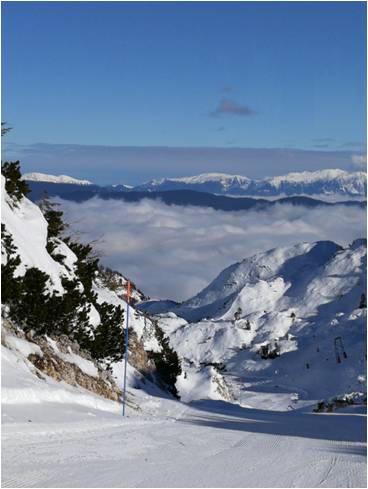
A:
{"x": 167, "y": 362}
{"x": 363, "y": 302}
{"x": 14, "y": 185}
{"x": 87, "y": 266}
{"x": 53, "y": 216}
{"x": 108, "y": 342}
{"x": 10, "y": 285}
{"x": 55, "y": 225}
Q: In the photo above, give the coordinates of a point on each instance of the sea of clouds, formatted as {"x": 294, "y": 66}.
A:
{"x": 173, "y": 251}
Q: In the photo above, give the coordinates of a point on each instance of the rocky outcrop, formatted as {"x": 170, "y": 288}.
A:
{"x": 138, "y": 356}
{"x": 52, "y": 357}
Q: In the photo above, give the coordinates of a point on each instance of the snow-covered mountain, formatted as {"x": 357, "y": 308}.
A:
{"x": 43, "y": 177}
{"x": 274, "y": 329}
{"x": 262, "y": 323}
{"x": 27, "y": 246}
{"x": 287, "y": 329}
{"x": 322, "y": 182}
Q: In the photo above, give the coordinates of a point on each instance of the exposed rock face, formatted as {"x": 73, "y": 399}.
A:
{"x": 58, "y": 369}
{"x": 138, "y": 356}
{"x": 51, "y": 363}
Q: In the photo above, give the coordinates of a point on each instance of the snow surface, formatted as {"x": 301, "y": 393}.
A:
{"x": 43, "y": 177}
{"x": 55, "y": 435}
{"x": 25, "y": 222}
{"x": 265, "y": 435}
{"x": 300, "y": 298}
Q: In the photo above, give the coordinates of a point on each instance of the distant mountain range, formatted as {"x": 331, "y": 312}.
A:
{"x": 43, "y": 177}
{"x": 323, "y": 182}
{"x": 79, "y": 193}
{"x": 320, "y": 184}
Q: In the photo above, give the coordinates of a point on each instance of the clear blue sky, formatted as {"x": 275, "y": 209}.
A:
{"x": 216, "y": 74}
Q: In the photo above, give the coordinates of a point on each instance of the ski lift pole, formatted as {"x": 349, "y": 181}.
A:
{"x": 126, "y": 344}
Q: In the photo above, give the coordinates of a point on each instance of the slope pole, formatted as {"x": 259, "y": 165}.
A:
{"x": 126, "y": 344}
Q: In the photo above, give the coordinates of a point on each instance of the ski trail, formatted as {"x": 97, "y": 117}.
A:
{"x": 186, "y": 447}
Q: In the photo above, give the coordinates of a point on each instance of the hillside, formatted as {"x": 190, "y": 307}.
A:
{"x": 62, "y": 370}
{"x": 54, "y": 287}
{"x": 273, "y": 330}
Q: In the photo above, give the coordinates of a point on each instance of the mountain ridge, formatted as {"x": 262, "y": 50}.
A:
{"x": 322, "y": 182}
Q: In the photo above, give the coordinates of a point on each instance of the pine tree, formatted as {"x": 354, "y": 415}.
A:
{"x": 108, "y": 343}
{"x": 87, "y": 266}
{"x": 363, "y": 302}
{"x": 14, "y": 185}
{"x": 55, "y": 225}
{"x": 54, "y": 217}
{"x": 167, "y": 362}
{"x": 10, "y": 285}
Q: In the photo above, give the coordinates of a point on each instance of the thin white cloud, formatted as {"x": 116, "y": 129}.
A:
{"x": 173, "y": 252}
{"x": 359, "y": 161}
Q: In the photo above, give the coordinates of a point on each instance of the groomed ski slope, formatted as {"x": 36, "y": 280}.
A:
{"x": 56, "y": 435}
{"x": 208, "y": 444}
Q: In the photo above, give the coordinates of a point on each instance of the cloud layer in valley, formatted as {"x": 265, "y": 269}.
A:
{"x": 173, "y": 252}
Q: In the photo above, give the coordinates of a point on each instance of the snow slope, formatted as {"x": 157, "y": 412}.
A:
{"x": 210, "y": 444}
{"x": 56, "y": 435}
{"x": 43, "y": 177}
{"x": 318, "y": 183}
{"x": 28, "y": 229}
{"x": 294, "y": 300}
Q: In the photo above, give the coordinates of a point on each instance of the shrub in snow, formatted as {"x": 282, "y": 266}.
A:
{"x": 10, "y": 284}
{"x": 238, "y": 314}
{"x": 167, "y": 362}
{"x": 14, "y": 185}
{"x": 269, "y": 351}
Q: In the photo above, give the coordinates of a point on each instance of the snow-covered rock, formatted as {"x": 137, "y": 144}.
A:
{"x": 44, "y": 177}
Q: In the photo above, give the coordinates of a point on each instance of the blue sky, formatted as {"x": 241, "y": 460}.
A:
{"x": 211, "y": 74}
